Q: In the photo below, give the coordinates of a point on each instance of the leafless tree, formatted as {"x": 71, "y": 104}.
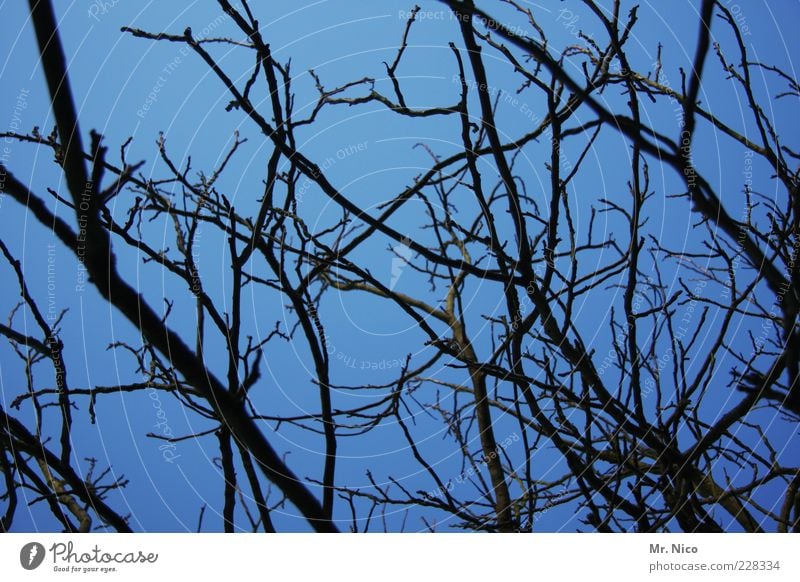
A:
{"x": 574, "y": 358}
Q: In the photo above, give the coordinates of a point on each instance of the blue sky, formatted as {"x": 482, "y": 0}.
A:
{"x": 128, "y": 87}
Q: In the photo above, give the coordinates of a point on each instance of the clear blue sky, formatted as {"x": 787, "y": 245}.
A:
{"x": 112, "y": 75}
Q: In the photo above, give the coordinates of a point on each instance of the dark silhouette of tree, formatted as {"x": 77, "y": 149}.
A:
{"x": 670, "y": 414}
